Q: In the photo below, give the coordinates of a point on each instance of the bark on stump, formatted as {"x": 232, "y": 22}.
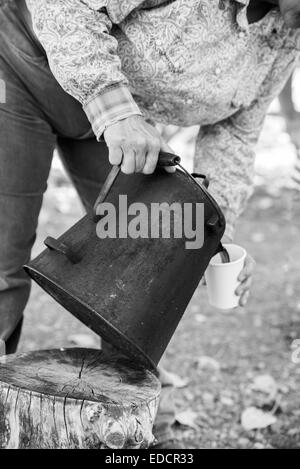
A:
{"x": 75, "y": 398}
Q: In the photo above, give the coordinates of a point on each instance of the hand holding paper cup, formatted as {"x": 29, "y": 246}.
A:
{"x": 222, "y": 278}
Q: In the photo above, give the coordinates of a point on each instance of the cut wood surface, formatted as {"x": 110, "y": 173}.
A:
{"x": 76, "y": 398}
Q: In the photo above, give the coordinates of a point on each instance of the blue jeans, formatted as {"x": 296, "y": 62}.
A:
{"x": 37, "y": 117}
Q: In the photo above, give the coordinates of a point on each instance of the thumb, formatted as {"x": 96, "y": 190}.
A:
{"x": 165, "y": 147}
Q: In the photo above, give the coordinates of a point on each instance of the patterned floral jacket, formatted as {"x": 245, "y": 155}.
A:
{"x": 183, "y": 62}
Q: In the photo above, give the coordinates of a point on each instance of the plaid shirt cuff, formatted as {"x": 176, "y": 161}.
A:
{"x": 114, "y": 104}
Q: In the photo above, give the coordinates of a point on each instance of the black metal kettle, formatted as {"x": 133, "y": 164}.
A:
{"x": 132, "y": 292}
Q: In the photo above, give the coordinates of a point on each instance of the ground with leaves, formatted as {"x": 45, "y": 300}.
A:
{"x": 236, "y": 369}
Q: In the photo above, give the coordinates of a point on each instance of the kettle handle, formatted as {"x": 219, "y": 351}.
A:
{"x": 165, "y": 159}
{"x": 204, "y": 178}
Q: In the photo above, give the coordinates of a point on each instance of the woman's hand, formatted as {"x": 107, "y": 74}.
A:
{"x": 135, "y": 144}
{"x": 245, "y": 278}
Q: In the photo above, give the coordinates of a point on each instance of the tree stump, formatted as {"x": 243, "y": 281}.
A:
{"x": 75, "y": 398}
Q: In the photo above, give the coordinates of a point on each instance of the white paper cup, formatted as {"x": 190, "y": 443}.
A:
{"x": 222, "y": 278}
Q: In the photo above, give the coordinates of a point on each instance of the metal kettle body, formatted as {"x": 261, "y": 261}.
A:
{"x": 132, "y": 292}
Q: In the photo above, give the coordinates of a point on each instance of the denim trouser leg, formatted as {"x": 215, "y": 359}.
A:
{"x": 26, "y": 148}
{"x": 33, "y": 110}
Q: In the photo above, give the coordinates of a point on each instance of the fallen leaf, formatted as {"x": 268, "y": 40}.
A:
{"x": 187, "y": 418}
{"x": 209, "y": 363}
{"x": 293, "y": 432}
{"x": 265, "y": 384}
{"x": 227, "y": 401}
{"x": 254, "y": 419}
{"x": 84, "y": 340}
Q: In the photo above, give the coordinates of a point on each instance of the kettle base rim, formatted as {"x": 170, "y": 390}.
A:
{"x": 101, "y": 327}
